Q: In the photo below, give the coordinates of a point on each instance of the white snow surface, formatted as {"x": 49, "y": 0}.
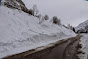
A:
{"x": 84, "y": 42}
{"x": 20, "y": 32}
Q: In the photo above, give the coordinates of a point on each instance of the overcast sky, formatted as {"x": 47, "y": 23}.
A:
{"x": 69, "y": 11}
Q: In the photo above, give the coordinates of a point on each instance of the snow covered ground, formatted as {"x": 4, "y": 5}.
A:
{"x": 84, "y": 42}
{"x": 20, "y": 32}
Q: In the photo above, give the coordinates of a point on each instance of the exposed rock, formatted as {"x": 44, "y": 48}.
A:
{"x": 16, "y": 4}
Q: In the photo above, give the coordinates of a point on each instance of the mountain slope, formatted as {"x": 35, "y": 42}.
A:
{"x": 83, "y": 27}
{"x": 19, "y": 32}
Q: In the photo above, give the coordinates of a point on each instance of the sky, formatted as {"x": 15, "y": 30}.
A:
{"x": 69, "y": 11}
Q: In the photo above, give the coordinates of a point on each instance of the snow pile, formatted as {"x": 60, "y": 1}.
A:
{"x": 20, "y": 32}
{"x": 84, "y": 49}
{"x": 83, "y": 27}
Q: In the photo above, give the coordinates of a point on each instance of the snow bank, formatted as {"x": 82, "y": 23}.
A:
{"x": 20, "y": 32}
{"x": 84, "y": 49}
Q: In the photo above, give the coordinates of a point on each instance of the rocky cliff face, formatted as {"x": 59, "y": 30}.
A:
{"x": 16, "y": 4}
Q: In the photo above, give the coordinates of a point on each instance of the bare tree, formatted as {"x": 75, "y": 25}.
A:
{"x": 39, "y": 16}
{"x": 70, "y": 27}
{"x": 56, "y": 20}
{"x": 46, "y": 17}
{"x": 41, "y": 19}
{"x": 35, "y": 10}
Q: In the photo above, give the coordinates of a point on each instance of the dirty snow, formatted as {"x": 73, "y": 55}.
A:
{"x": 20, "y": 32}
{"x": 84, "y": 42}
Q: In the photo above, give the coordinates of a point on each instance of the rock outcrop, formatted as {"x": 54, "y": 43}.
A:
{"x": 16, "y": 4}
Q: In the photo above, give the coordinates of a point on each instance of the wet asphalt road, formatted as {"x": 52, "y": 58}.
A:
{"x": 66, "y": 49}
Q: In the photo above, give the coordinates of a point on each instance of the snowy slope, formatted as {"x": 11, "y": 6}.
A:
{"x": 84, "y": 42}
{"x": 20, "y": 32}
{"x": 82, "y": 26}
